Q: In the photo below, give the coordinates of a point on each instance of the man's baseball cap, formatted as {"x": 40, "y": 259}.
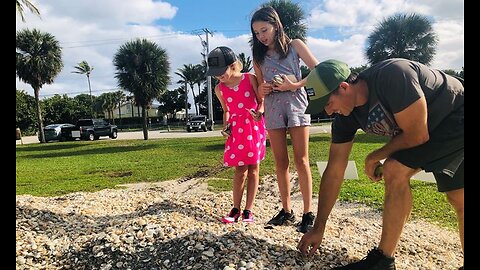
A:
{"x": 322, "y": 81}
{"x": 219, "y": 59}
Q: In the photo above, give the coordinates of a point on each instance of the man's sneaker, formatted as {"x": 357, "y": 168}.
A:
{"x": 247, "y": 216}
{"x": 307, "y": 222}
{"x": 282, "y": 218}
{"x": 232, "y": 216}
{"x": 375, "y": 260}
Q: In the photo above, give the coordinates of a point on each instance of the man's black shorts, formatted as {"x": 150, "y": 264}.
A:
{"x": 442, "y": 154}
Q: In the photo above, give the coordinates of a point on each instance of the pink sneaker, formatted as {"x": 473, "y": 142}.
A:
{"x": 247, "y": 216}
{"x": 232, "y": 216}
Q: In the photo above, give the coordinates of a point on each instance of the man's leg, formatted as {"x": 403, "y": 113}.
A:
{"x": 455, "y": 197}
{"x": 397, "y": 204}
{"x": 454, "y": 189}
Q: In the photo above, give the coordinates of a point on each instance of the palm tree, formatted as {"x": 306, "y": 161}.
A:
{"x": 142, "y": 69}
{"x": 84, "y": 68}
{"x": 39, "y": 61}
{"x": 199, "y": 74}
{"x": 246, "y": 62}
{"x": 292, "y": 17}
{"x": 108, "y": 102}
{"x": 407, "y": 36}
{"x": 131, "y": 100}
{"x": 25, "y": 3}
{"x": 187, "y": 75}
{"x": 120, "y": 97}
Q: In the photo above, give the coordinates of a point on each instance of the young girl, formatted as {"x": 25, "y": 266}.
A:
{"x": 243, "y": 124}
{"x": 285, "y": 104}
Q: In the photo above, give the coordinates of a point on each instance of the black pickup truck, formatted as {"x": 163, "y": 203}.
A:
{"x": 91, "y": 129}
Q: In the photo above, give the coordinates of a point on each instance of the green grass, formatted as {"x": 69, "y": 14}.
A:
{"x": 59, "y": 168}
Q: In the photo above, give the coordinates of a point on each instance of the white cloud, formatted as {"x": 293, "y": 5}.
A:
{"x": 359, "y": 15}
{"x": 348, "y": 50}
{"x": 94, "y": 30}
{"x": 450, "y": 48}
{"x": 354, "y": 20}
{"x": 107, "y": 13}
{"x": 446, "y": 10}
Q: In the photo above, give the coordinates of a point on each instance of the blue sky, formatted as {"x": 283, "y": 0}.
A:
{"x": 231, "y": 18}
{"x": 93, "y": 30}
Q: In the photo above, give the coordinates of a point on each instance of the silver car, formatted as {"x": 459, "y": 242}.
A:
{"x": 53, "y": 132}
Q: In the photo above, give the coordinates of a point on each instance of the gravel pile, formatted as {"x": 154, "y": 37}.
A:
{"x": 175, "y": 225}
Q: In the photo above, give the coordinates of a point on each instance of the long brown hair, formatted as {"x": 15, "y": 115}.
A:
{"x": 268, "y": 14}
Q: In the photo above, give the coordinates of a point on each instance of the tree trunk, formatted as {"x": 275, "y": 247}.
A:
{"x": 91, "y": 99}
{"x": 110, "y": 111}
{"x": 144, "y": 124}
{"x": 186, "y": 102}
{"x": 119, "y": 114}
{"x": 39, "y": 115}
{"x": 194, "y": 99}
{"x": 131, "y": 103}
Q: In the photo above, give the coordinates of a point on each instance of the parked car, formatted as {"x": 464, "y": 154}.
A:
{"x": 92, "y": 129}
{"x": 199, "y": 122}
{"x": 53, "y": 132}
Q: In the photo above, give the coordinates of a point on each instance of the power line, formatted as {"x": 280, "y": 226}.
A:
{"x": 115, "y": 41}
{"x": 84, "y": 92}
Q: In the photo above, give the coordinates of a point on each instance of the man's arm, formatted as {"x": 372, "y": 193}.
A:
{"x": 413, "y": 122}
{"x": 330, "y": 184}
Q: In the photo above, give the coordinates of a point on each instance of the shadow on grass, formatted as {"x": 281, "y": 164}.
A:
{"x": 87, "y": 152}
{"x": 49, "y": 147}
{"x": 214, "y": 147}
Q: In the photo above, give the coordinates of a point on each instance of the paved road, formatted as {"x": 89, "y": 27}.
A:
{"x": 157, "y": 134}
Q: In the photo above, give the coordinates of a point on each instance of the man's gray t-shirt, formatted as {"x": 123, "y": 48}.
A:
{"x": 393, "y": 85}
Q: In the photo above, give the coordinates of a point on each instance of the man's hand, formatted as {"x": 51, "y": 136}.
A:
{"x": 372, "y": 168}
{"x": 310, "y": 242}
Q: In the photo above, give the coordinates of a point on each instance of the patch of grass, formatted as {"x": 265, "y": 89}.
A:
{"x": 63, "y": 167}
{"x": 219, "y": 184}
{"x": 60, "y": 168}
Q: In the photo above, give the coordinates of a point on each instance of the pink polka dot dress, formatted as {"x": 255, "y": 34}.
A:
{"x": 247, "y": 143}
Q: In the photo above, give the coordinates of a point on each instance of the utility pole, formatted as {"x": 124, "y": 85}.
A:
{"x": 91, "y": 98}
{"x": 209, "y": 79}
{"x": 186, "y": 103}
